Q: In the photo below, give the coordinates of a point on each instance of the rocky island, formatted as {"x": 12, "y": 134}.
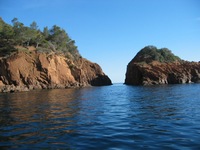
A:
{"x": 34, "y": 59}
{"x": 160, "y": 66}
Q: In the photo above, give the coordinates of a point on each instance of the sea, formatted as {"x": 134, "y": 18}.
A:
{"x": 116, "y": 117}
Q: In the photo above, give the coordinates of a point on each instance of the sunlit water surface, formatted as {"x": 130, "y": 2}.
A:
{"x": 109, "y": 117}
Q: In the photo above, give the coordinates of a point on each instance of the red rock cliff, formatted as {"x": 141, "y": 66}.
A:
{"x": 160, "y": 66}
{"x": 23, "y": 71}
{"x": 162, "y": 73}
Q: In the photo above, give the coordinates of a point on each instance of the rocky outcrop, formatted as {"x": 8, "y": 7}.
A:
{"x": 27, "y": 71}
{"x": 162, "y": 73}
{"x": 142, "y": 72}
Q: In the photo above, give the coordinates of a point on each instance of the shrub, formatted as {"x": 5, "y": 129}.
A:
{"x": 151, "y": 53}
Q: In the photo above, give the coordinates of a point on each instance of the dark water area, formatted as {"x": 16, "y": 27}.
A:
{"x": 110, "y": 117}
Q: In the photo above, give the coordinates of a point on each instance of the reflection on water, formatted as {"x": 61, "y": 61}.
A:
{"x": 110, "y": 117}
{"x": 38, "y": 105}
{"x": 37, "y": 116}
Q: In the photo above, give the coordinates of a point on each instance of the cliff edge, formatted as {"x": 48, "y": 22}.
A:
{"x": 26, "y": 71}
{"x": 160, "y": 66}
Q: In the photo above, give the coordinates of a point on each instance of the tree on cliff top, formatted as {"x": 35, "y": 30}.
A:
{"x": 53, "y": 40}
{"x": 151, "y": 53}
{"x": 6, "y": 39}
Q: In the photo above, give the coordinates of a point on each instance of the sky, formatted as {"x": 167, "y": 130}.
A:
{"x": 111, "y": 32}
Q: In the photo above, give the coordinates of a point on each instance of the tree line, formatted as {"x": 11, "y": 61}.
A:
{"x": 54, "y": 39}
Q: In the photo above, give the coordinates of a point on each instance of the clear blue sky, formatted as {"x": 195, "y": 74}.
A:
{"x": 111, "y": 32}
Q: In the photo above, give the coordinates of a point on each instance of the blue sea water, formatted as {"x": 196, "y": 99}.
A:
{"x": 110, "y": 117}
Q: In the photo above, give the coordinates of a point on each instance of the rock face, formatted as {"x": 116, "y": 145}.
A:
{"x": 152, "y": 72}
{"x": 23, "y": 72}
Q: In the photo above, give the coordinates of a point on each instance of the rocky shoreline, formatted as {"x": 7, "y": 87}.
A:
{"x": 160, "y": 66}
{"x": 28, "y": 71}
{"x": 162, "y": 73}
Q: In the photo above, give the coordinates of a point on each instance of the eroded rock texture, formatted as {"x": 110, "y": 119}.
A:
{"x": 160, "y": 66}
{"x": 22, "y": 72}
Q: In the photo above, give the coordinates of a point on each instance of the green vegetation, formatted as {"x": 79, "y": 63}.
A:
{"x": 151, "y": 53}
{"x": 54, "y": 40}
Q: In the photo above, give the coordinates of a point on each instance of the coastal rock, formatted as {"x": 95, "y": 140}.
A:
{"x": 27, "y": 71}
{"x": 142, "y": 72}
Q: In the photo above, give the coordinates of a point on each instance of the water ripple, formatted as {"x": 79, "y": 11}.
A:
{"x": 111, "y": 117}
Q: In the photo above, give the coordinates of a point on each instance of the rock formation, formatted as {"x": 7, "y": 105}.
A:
{"x": 32, "y": 59}
{"x": 148, "y": 69}
{"x": 25, "y": 71}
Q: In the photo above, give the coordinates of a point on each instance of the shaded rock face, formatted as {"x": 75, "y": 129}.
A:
{"x": 160, "y": 66}
{"x": 22, "y": 72}
{"x": 162, "y": 73}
